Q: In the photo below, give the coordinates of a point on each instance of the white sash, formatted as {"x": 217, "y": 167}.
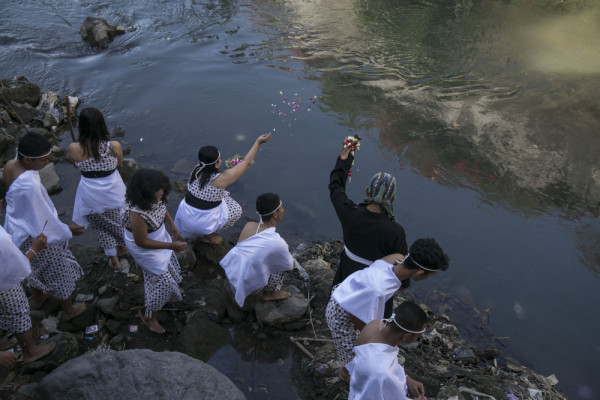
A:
{"x": 356, "y": 258}
{"x": 154, "y": 261}
{"x": 97, "y": 195}
{"x": 14, "y": 266}
{"x": 29, "y": 210}
{"x": 375, "y": 373}
{"x": 193, "y": 222}
{"x": 364, "y": 293}
{"x": 252, "y": 261}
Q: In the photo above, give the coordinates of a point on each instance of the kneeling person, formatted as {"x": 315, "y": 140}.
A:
{"x": 257, "y": 262}
{"x": 375, "y": 372}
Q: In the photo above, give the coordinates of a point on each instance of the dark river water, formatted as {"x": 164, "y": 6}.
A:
{"x": 487, "y": 112}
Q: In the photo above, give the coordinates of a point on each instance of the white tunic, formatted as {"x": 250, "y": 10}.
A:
{"x": 154, "y": 261}
{"x": 364, "y": 293}
{"x": 14, "y": 266}
{"x": 250, "y": 263}
{"x": 192, "y": 222}
{"x": 28, "y": 207}
{"x": 375, "y": 373}
{"x": 97, "y": 195}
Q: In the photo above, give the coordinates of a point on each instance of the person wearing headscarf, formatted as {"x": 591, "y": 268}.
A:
{"x": 369, "y": 229}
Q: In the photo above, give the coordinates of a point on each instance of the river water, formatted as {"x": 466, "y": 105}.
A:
{"x": 487, "y": 112}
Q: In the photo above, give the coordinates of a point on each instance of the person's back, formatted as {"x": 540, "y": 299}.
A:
{"x": 375, "y": 373}
{"x": 256, "y": 263}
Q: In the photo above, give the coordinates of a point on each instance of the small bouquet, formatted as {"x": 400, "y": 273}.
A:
{"x": 233, "y": 160}
{"x": 352, "y": 143}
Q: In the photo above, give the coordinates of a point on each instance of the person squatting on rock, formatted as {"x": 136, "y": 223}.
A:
{"x": 101, "y": 191}
{"x": 361, "y": 297}
{"x": 149, "y": 242}
{"x": 14, "y": 307}
{"x": 369, "y": 230}
{"x": 207, "y": 208}
{"x": 258, "y": 260}
{"x": 29, "y": 212}
{"x": 375, "y": 373}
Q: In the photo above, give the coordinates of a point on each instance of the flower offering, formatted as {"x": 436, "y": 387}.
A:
{"x": 233, "y": 161}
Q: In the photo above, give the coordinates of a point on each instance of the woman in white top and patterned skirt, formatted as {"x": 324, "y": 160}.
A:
{"x": 207, "y": 208}
{"x": 101, "y": 191}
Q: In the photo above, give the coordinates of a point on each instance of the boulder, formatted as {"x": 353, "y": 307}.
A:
{"x": 50, "y": 178}
{"x": 187, "y": 259}
{"x": 201, "y": 338}
{"x": 26, "y": 112}
{"x": 281, "y": 312}
{"x": 136, "y": 374}
{"x": 117, "y": 131}
{"x": 97, "y": 32}
{"x": 21, "y": 91}
{"x": 129, "y": 167}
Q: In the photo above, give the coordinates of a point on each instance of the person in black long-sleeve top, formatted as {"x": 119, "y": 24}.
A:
{"x": 370, "y": 230}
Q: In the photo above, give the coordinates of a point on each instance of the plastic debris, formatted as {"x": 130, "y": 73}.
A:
{"x": 91, "y": 329}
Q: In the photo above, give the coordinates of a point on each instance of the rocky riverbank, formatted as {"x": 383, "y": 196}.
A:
{"x": 448, "y": 366}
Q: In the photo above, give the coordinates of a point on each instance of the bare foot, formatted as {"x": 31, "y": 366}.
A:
{"x": 275, "y": 295}
{"x": 213, "y": 238}
{"x": 344, "y": 375}
{"x": 76, "y": 309}
{"x": 39, "y": 298}
{"x": 7, "y": 359}
{"x": 114, "y": 263}
{"x": 38, "y": 352}
{"x": 122, "y": 250}
{"x": 152, "y": 324}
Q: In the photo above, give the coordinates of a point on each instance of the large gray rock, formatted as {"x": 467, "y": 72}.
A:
{"x": 21, "y": 91}
{"x": 281, "y": 312}
{"x": 97, "y": 32}
{"x": 50, "y": 178}
{"x": 136, "y": 374}
{"x": 129, "y": 167}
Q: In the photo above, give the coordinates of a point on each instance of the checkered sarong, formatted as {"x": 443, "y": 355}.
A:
{"x": 343, "y": 331}
{"x": 14, "y": 310}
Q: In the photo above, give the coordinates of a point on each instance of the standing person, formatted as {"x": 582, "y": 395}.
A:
{"x": 362, "y": 296}
{"x": 207, "y": 208}
{"x": 14, "y": 307}
{"x": 375, "y": 373}
{"x": 29, "y": 212}
{"x": 101, "y": 191}
{"x": 149, "y": 242}
{"x": 370, "y": 230}
{"x": 258, "y": 260}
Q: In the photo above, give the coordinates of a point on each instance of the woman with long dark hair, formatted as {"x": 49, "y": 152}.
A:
{"x": 101, "y": 191}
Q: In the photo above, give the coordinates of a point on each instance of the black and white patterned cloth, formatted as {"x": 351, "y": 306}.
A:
{"x": 14, "y": 310}
{"x": 343, "y": 331}
{"x": 274, "y": 283}
{"x": 106, "y": 225}
{"x": 54, "y": 270}
{"x": 154, "y": 217}
{"x": 107, "y": 161}
{"x": 160, "y": 289}
{"x": 211, "y": 193}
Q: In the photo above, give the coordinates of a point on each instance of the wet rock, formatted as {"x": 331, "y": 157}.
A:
{"x": 280, "y": 312}
{"x": 49, "y": 120}
{"x": 97, "y": 32}
{"x": 117, "y": 131}
{"x": 109, "y": 307}
{"x": 129, "y": 167}
{"x": 66, "y": 349}
{"x": 183, "y": 166}
{"x": 5, "y": 141}
{"x": 21, "y": 91}
{"x": 464, "y": 354}
{"x": 136, "y": 374}
{"x": 50, "y": 178}
{"x": 112, "y": 326}
{"x": 214, "y": 301}
{"x": 45, "y": 133}
{"x": 117, "y": 342}
{"x": 187, "y": 259}
{"x": 57, "y": 155}
{"x": 210, "y": 254}
{"x": 201, "y": 338}
{"x": 80, "y": 322}
{"x": 450, "y": 392}
{"x": 234, "y": 313}
{"x": 25, "y": 112}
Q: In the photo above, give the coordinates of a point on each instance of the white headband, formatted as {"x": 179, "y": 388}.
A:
{"x": 264, "y": 215}
{"x": 393, "y": 318}
{"x": 418, "y": 265}
{"x": 42, "y": 156}
{"x": 203, "y": 164}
